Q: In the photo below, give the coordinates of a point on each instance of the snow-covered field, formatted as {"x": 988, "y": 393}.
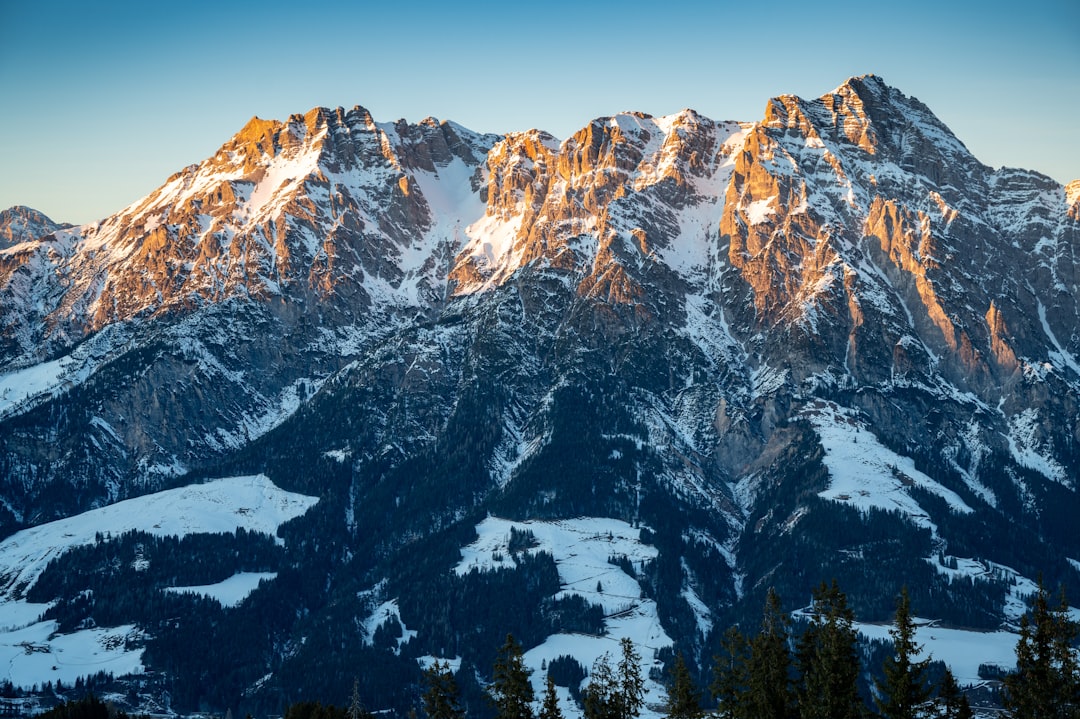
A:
{"x": 229, "y": 592}
{"x": 21, "y": 388}
{"x": 581, "y": 548}
{"x": 962, "y": 650}
{"x": 223, "y": 505}
{"x": 31, "y": 652}
{"x": 866, "y": 474}
{"x": 34, "y": 654}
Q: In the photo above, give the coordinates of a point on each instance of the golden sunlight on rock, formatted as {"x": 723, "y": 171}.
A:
{"x": 999, "y": 335}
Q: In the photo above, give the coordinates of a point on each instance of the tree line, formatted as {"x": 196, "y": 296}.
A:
{"x": 771, "y": 674}
{"x": 776, "y": 675}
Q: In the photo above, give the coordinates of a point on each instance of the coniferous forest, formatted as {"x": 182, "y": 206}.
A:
{"x": 804, "y": 667}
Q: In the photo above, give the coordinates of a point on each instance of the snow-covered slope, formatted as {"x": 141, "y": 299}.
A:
{"x": 222, "y": 505}
{"x": 582, "y": 548}
{"x": 34, "y": 652}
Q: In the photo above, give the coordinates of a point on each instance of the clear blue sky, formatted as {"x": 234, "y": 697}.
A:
{"x": 102, "y": 101}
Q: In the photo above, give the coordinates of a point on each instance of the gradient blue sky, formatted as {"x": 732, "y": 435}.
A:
{"x": 102, "y": 101}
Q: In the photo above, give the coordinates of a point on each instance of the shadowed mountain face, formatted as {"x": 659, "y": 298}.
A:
{"x": 827, "y": 344}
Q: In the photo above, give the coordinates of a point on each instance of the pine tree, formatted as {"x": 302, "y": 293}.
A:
{"x": 1066, "y": 632}
{"x": 598, "y": 697}
{"x": 356, "y": 707}
{"x": 550, "y": 708}
{"x": 1046, "y": 684}
{"x": 904, "y": 689}
{"x": 828, "y": 660}
{"x": 769, "y": 693}
{"x": 615, "y": 693}
{"x": 441, "y": 699}
{"x": 631, "y": 684}
{"x": 951, "y": 702}
{"x": 730, "y": 676}
{"x": 683, "y": 698}
{"x": 511, "y": 691}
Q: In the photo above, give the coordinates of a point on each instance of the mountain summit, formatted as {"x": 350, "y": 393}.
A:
{"x": 721, "y": 356}
{"x": 24, "y": 224}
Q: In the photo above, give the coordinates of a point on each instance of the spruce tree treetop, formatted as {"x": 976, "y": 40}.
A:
{"x": 550, "y": 708}
{"x": 769, "y": 693}
{"x": 904, "y": 689}
{"x": 1046, "y": 683}
{"x": 683, "y": 698}
{"x": 600, "y": 695}
{"x": 827, "y": 659}
{"x": 951, "y": 702}
{"x": 730, "y": 675}
{"x": 511, "y": 691}
{"x": 617, "y": 693}
{"x": 441, "y": 699}
{"x": 356, "y": 707}
{"x": 631, "y": 683}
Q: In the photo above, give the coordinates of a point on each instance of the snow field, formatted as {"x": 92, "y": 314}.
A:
{"x": 388, "y": 610}
{"x": 21, "y": 385}
{"x": 962, "y": 650}
{"x": 223, "y": 505}
{"x": 284, "y": 174}
{"x": 491, "y": 242}
{"x": 229, "y": 592}
{"x": 24, "y": 388}
{"x": 31, "y": 652}
{"x": 865, "y": 474}
{"x": 581, "y": 548}
{"x": 759, "y": 211}
{"x": 1026, "y": 447}
{"x": 34, "y": 654}
{"x": 449, "y": 196}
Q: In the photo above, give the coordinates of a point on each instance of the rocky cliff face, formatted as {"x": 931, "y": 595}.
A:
{"x": 767, "y": 341}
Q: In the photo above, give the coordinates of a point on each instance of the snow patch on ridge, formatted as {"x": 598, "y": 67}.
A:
{"x": 759, "y": 211}
{"x": 491, "y": 242}
{"x": 283, "y": 175}
{"x": 1061, "y": 356}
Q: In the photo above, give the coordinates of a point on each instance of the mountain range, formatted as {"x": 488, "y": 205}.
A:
{"x": 722, "y": 356}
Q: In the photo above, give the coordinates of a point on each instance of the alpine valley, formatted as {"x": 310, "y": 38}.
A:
{"x": 350, "y": 396}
